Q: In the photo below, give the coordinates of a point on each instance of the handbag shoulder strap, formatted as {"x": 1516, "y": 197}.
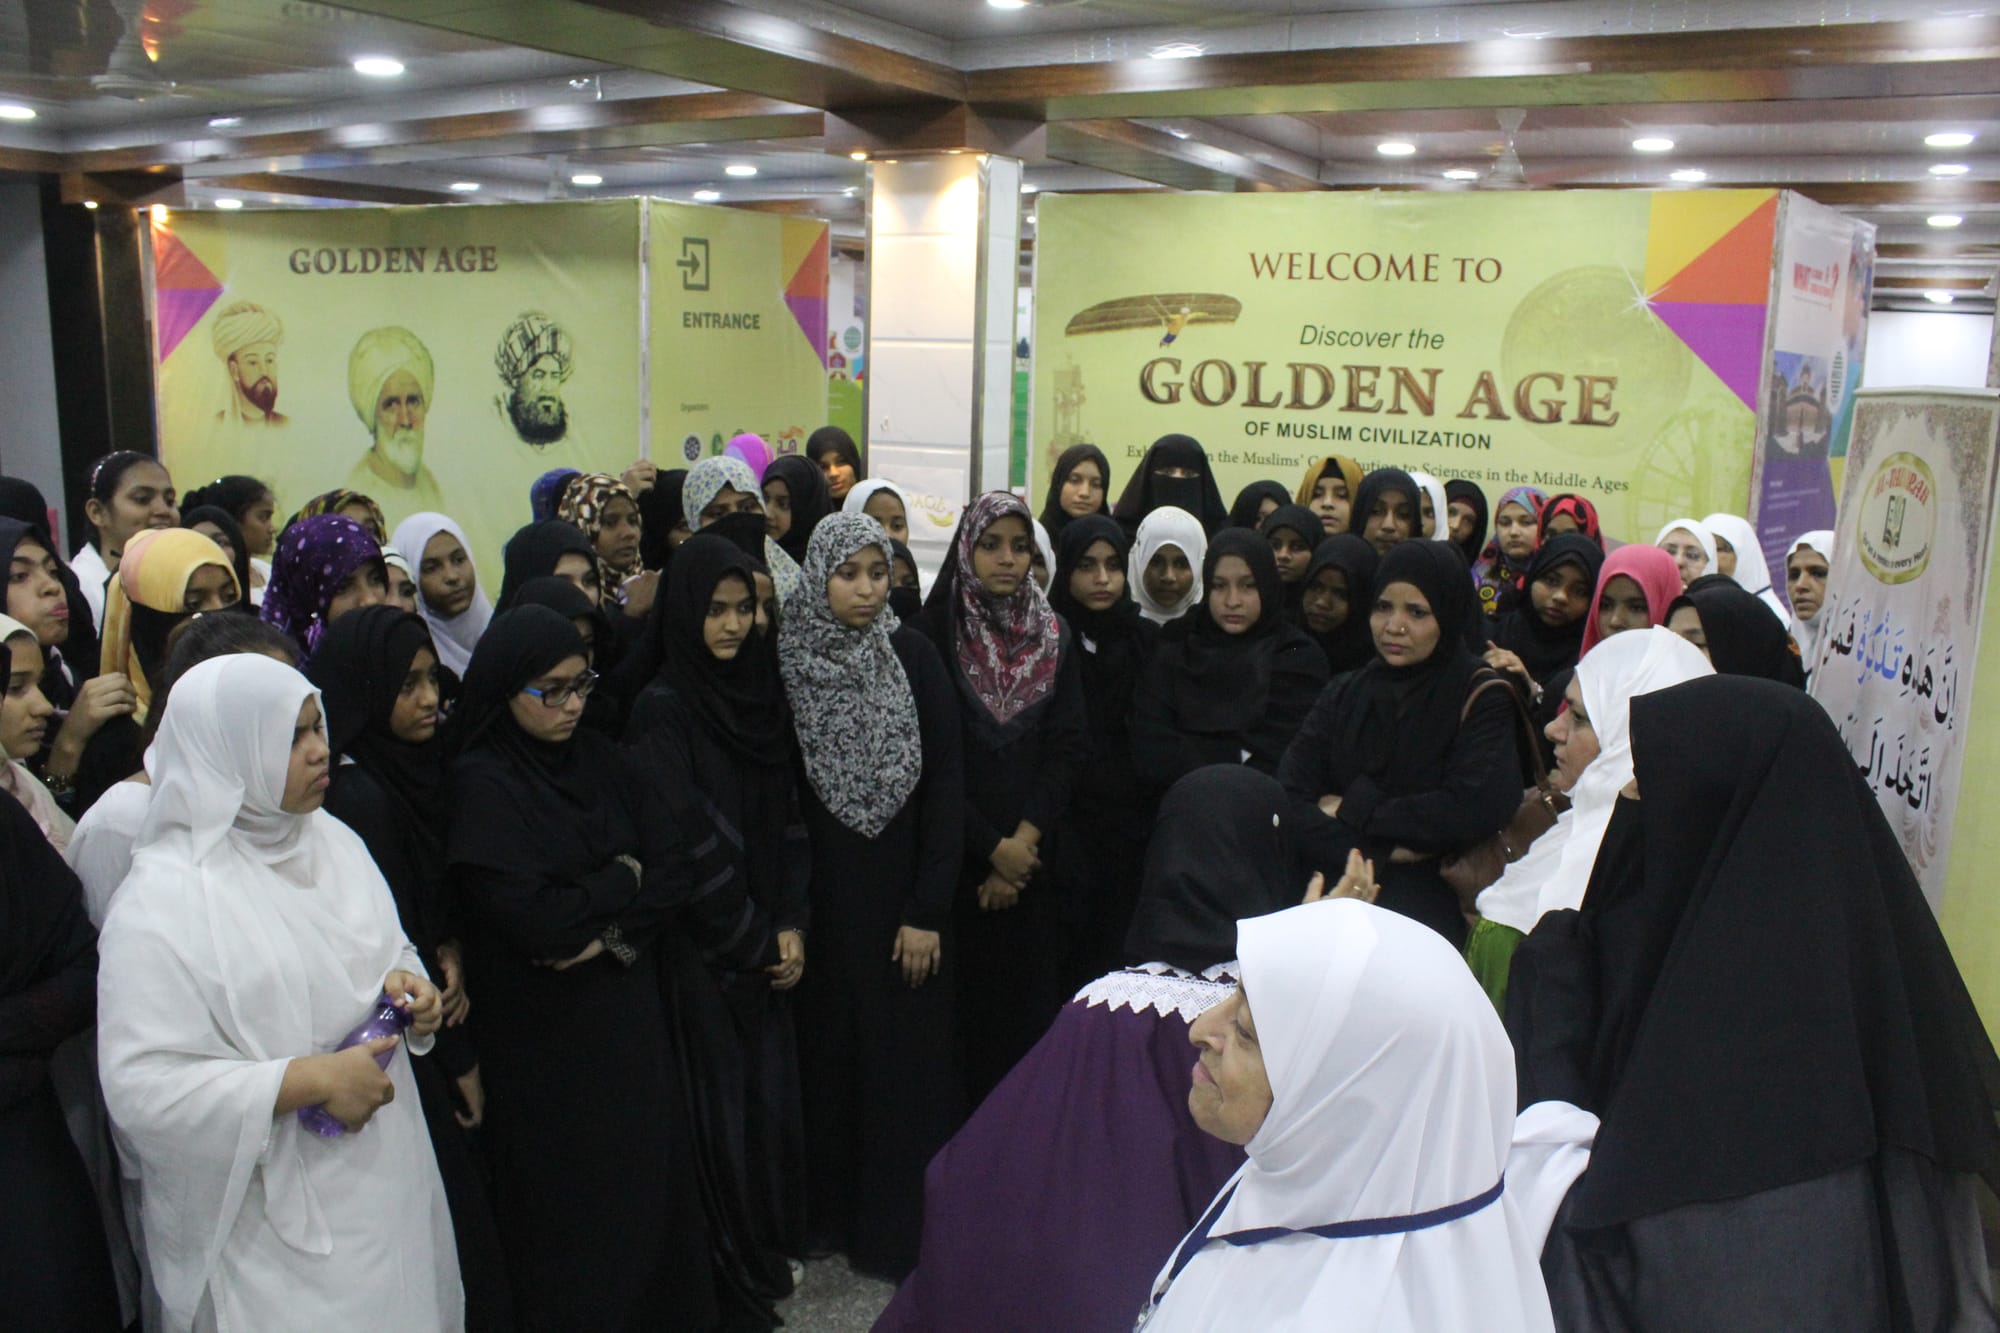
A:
{"x": 1486, "y": 679}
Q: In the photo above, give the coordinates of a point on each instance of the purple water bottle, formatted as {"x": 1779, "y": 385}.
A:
{"x": 386, "y": 1021}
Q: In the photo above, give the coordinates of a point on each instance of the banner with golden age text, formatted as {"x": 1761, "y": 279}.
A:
{"x": 433, "y": 358}
{"x": 1608, "y": 343}
{"x": 739, "y": 329}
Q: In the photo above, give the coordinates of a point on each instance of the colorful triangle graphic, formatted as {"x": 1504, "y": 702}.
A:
{"x": 1728, "y": 338}
{"x": 184, "y": 289}
{"x": 805, "y": 294}
{"x": 1735, "y": 270}
{"x": 1682, "y": 224}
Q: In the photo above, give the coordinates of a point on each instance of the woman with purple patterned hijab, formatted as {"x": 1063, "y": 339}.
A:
{"x": 325, "y": 566}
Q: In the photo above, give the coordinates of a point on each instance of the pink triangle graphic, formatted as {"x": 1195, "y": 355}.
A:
{"x": 1729, "y": 339}
{"x": 810, "y": 312}
{"x": 180, "y": 309}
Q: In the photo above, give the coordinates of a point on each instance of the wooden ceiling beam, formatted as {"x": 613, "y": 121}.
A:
{"x": 313, "y": 187}
{"x": 1154, "y": 155}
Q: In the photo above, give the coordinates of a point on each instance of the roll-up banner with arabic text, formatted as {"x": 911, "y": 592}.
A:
{"x": 1610, "y": 342}
{"x": 1899, "y": 643}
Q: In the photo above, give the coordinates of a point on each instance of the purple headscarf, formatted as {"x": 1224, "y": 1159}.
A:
{"x": 547, "y": 491}
{"x": 315, "y": 557}
{"x": 753, "y": 451}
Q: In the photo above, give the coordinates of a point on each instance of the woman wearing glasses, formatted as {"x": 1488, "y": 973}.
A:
{"x": 593, "y": 1188}
{"x": 712, "y": 739}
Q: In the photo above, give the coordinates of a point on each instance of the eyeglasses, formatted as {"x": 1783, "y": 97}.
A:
{"x": 560, "y": 695}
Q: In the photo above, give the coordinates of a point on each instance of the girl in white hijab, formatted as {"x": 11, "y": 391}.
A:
{"x": 1373, "y": 1196}
{"x": 1593, "y": 737}
{"x": 24, "y": 720}
{"x": 1745, "y": 557}
{"x": 1433, "y": 495}
{"x": 454, "y": 632}
{"x": 1167, "y": 526}
{"x": 1692, "y": 546}
{"x": 1805, "y": 625}
{"x": 252, "y": 935}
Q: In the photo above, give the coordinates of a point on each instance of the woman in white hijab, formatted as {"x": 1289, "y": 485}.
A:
{"x": 1807, "y": 562}
{"x": 1593, "y": 739}
{"x": 1692, "y": 546}
{"x": 1373, "y": 1088}
{"x": 1162, "y": 533}
{"x": 448, "y": 592}
{"x": 1433, "y": 500}
{"x": 252, "y": 935}
{"x": 1739, "y": 553}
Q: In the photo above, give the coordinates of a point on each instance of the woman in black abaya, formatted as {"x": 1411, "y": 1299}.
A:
{"x": 877, "y": 726}
{"x": 1334, "y": 607}
{"x": 1101, "y": 843}
{"x": 1079, "y": 486}
{"x": 1400, "y": 759}
{"x": 1232, "y": 680}
{"x": 1540, "y": 637}
{"x": 1020, "y": 696}
{"x": 1176, "y": 472}
{"x": 1740, "y": 634}
{"x": 1796, "y": 1094}
{"x": 548, "y": 547}
{"x": 711, "y": 738}
{"x": 796, "y": 499}
{"x": 1294, "y": 533}
{"x": 593, "y": 1189}
{"x": 378, "y": 680}
{"x": 1256, "y": 502}
{"x": 55, "y": 1272}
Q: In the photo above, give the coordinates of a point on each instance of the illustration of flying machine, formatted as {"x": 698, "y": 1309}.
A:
{"x": 1170, "y": 311}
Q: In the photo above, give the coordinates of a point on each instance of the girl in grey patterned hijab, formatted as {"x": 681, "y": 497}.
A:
{"x": 851, "y": 701}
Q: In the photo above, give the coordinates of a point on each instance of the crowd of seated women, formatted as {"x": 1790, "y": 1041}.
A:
{"x": 590, "y": 946}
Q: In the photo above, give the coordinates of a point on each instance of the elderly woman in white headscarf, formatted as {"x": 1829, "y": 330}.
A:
{"x": 1593, "y": 740}
{"x": 252, "y": 935}
{"x": 1692, "y": 546}
{"x": 1372, "y": 1087}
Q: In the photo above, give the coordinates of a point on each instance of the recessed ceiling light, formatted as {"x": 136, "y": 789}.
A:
{"x": 851, "y": 191}
{"x": 586, "y": 178}
{"x": 1688, "y": 174}
{"x": 859, "y": 155}
{"x": 229, "y": 203}
{"x": 1008, "y": 4}
{"x": 465, "y": 187}
{"x": 224, "y": 122}
{"x": 1653, "y": 144}
{"x": 739, "y": 169}
{"x": 1943, "y": 220}
{"x": 1461, "y": 174}
{"x": 1938, "y": 298}
{"x": 1949, "y": 169}
{"x": 15, "y": 111}
{"x": 159, "y": 212}
{"x": 1395, "y": 148}
{"x": 378, "y": 67}
{"x": 90, "y": 203}
{"x": 708, "y": 196}
{"x": 1028, "y": 187}
{"x": 1175, "y": 51}
{"x": 1948, "y": 139}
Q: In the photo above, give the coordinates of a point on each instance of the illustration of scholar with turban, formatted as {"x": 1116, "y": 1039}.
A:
{"x": 533, "y": 359}
{"x": 389, "y": 381}
{"x": 246, "y": 342}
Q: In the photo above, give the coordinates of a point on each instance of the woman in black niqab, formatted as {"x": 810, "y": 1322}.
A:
{"x": 1796, "y": 1091}
{"x": 1402, "y": 756}
{"x": 593, "y": 1187}
{"x": 711, "y": 742}
{"x": 1213, "y": 697}
{"x": 1103, "y": 843}
{"x": 1151, "y": 487}
{"x": 1223, "y": 852}
{"x": 390, "y": 791}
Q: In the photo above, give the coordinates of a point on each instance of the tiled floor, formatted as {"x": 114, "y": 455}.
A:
{"x": 835, "y": 1299}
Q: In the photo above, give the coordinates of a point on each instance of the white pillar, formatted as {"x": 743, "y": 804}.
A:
{"x": 944, "y": 238}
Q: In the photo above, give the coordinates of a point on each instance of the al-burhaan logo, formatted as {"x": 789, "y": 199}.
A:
{"x": 1897, "y": 525}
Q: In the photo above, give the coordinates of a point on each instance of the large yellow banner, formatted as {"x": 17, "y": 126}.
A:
{"x": 739, "y": 329}
{"x": 1609, "y": 343}
{"x": 433, "y": 358}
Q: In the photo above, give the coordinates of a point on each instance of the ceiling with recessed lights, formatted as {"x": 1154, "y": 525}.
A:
{"x": 766, "y": 103}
